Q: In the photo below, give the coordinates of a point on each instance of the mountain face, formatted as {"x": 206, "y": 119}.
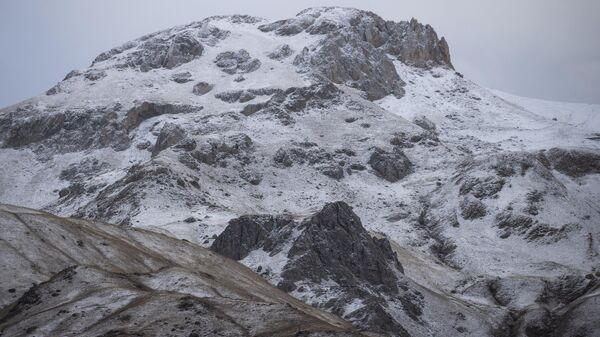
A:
{"x": 338, "y": 155}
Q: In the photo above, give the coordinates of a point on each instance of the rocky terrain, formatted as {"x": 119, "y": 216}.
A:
{"x": 338, "y": 155}
{"x": 69, "y": 277}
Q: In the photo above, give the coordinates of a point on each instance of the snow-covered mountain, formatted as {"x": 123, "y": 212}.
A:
{"x": 450, "y": 209}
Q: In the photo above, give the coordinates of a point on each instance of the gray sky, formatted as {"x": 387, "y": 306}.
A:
{"x": 539, "y": 48}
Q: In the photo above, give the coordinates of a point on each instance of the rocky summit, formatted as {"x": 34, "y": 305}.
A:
{"x": 331, "y": 174}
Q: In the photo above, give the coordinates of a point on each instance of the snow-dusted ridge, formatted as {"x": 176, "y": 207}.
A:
{"x": 489, "y": 200}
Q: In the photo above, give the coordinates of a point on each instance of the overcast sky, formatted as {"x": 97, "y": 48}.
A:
{"x": 539, "y": 48}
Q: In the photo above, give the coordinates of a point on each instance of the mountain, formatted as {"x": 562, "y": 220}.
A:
{"x": 339, "y": 155}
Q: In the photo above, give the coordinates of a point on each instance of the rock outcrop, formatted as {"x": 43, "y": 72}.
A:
{"x": 331, "y": 247}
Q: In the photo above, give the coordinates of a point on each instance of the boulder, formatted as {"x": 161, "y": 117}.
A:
{"x": 202, "y": 88}
{"x": 169, "y": 135}
{"x": 182, "y": 77}
{"x": 391, "y": 166}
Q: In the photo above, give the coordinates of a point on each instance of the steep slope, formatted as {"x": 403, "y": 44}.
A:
{"x": 479, "y": 193}
{"x": 94, "y": 279}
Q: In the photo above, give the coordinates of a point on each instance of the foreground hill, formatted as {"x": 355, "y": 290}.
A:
{"x": 69, "y": 277}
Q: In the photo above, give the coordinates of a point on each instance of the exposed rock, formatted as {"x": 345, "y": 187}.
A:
{"x": 120, "y": 201}
{"x": 246, "y": 96}
{"x": 216, "y": 151}
{"x": 80, "y": 171}
{"x": 156, "y": 51}
{"x": 331, "y": 246}
{"x": 94, "y": 75}
{"x": 237, "y": 62}
{"x": 346, "y": 60}
{"x": 147, "y": 110}
{"x": 251, "y": 109}
{"x": 574, "y": 162}
{"x": 282, "y": 158}
{"x": 72, "y": 74}
{"x": 169, "y": 135}
{"x": 482, "y": 187}
{"x": 511, "y": 223}
{"x": 425, "y": 123}
{"x": 281, "y": 52}
{"x": 69, "y": 131}
{"x": 230, "y": 96}
{"x": 390, "y": 166}
{"x": 412, "y": 42}
{"x": 283, "y": 103}
{"x": 472, "y": 208}
{"x": 250, "y": 232}
{"x": 202, "y": 88}
{"x": 252, "y": 177}
{"x": 335, "y": 172}
{"x": 54, "y": 90}
{"x": 34, "y": 129}
{"x": 182, "y": 77}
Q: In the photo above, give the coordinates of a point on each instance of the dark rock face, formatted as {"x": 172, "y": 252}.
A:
{"x": 169, "y": 135}
{"x": 94, "y": 75}
{"x": 233, "y": 62}
{"x": 417, "y": 44}
{"x": 283, "y": 104}
{"x": 390, "y": 166}
{"x": 345, "y": 60}
{"x": 147, "y": 110}
{"x": 472, "y": 208}
{"x": 355, "y": 52}
{"x": 412, "y": 42}
{"x": 335, "y": 172}
{"x": 230, "y": 96}
{"x": 574, "y": 162}
{"x": 67, "y": 131}
{"x": 482, "y": 187}
{"x": 32, "y": 130}
{"x": 281, "y": 52}
{"x": 330, "y": 246}
{"x": 86, "y": 167}
{"x": 250, "y": 232}
{"x": 330, "y": 164}
{"x": 157, "y": 52}
{"x": 182, "y": 77}
{"x": 202, "y": 88}
{"x": 76, "y": 130}
{"x": 511, "y": 223}
{"x": 217, "y": 151}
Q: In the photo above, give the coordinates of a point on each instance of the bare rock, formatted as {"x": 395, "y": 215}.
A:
{"x": 233, "y": 62}
{"x": 281, "y": 52}
{"x": 182, "y": 77}
{"x": 202, "y": 88}
{"x": 169, "y": 135}
{"x": 390, "y": 166}
{"x": 472, "y": 208}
